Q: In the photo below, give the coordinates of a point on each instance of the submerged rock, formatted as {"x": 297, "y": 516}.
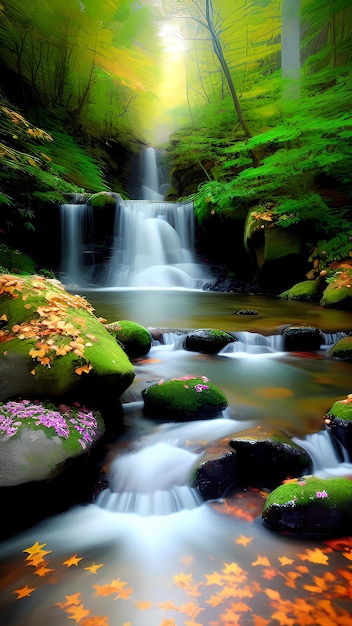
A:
{"x": 185, "y": 398}
{"x": 36, "y": 439}
{"x": 215, "y": 472}
{"x": 52, "y": 344}
{"x": 310, "y": 505}
{"x": 135, "y": 339}
{"x": 207, "y": 340}
{"x": 338, "y": 421}
{"x": 302, "y": 338}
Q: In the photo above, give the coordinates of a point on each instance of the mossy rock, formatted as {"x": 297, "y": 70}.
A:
{"x": 102, "y": 199}
{"x": 266, "y": 457}
{"x": 207, "y": 340}
{"x": 338, "y": 421}
{"x": 135, "y": 339}
{"x": 36, "y": 438}
{"x": 338, "y": 293}
{"x": 182, "y": 399}
{"x": 342, "y": 349}
{"x": 307, "y": 290}
{"x": 310, "y": 505}
{"x": 52, "y": 344}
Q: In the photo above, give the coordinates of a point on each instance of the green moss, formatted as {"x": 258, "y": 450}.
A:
{"x": 186, "y": 396}
{"x": 305, "y": 290}
{"x": 280, "y": 242}
{"x": 342, "y": 349}
{"x": 101, "y": 199}
{"x": 341, "y": 409}
{"x": 311, "y": 489}
{"x": 337, "y": 296}
{"x": 135, "y": 339}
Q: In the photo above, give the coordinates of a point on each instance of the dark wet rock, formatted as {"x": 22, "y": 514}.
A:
{"x": 267, "y": 457}
{"x": 310, "y": 505}
{"x": 246, "y": 312}
{"x": 135, "y": 339}
{"x": 207, "y": 340}
{"x": 182, "y": 399}
{"x": 338, "y": 421}
{"x": 215, "y": 472}
{"x": 302, "y": 338}
{"x": 342, "y": 350}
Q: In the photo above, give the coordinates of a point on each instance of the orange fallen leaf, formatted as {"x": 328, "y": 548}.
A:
{"x": 73, "y": 560}
{"x": 144, "y": 606}
{"x": 261, "y": 560}
{"x": 243, "y": 541}
{"x": 24, "y": 592}
{"x": 314, "y": 556}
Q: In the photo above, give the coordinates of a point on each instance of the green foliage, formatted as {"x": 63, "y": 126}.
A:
{"x": 14, "y": 261}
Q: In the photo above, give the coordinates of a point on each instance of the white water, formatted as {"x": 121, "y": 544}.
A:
{"x": 154, "y": 246}
{"x": 151, "y": 187}
{"x": 76, "y": 229}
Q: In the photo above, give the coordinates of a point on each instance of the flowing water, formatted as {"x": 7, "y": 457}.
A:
{"x": 146, "y": 551}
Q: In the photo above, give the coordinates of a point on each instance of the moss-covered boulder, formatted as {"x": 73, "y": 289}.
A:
{"x": 182, "y": 399}
{"x": 135, "y": 339}
{"x": 207, "y": 340}
{"x": 52, "y": 344}
{"x": 338, "y": 421}
{"x": 36, "y": 438}
{"x": 266, "y": 457}
{"x": 342, "y": 349}
{"x": 338, "y": 293}
{"x": 307, "y": 290}
{"x": 301, "y": 338}
{"x": 310, "y": 505}
{"x": 15, "y": 262}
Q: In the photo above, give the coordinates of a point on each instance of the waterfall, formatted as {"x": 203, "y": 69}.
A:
{"x": 151, "y": 187}
{"x": 154, "y": 246}
{"x": 77, "y": 233}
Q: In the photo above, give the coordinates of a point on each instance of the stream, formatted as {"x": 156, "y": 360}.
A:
{"x": 146, "y": 551}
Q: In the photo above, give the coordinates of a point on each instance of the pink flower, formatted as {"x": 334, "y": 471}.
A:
{"x": 322, "y": 494}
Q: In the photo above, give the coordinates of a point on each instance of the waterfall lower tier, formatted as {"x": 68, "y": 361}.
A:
{"x": 154, "y": 246}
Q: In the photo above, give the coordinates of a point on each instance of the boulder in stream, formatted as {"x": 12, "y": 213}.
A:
{"x": 52, "y": 345}
{"x": 37, "y": 438}
{"x": 342, "y": 350}
{"x": 207, "y": 340}
{"x": 310, "y": 505}
{"x": 183, "y": 399}
{"x": 135, "y": 339}
{"x": 301, "y": 338}
{"x": 338, "y": 421}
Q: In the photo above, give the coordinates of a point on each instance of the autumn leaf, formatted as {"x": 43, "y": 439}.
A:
{"x": 24, "y": 592}
{"x": 43, "y": 570}
{"x": 314, "y": 556}
{"x": 243, "y": 541}
{"x": 261, "y": 560}
{"x": 284, "y": 560}
{"x": 214, "y": 579}
{"x": 73, "y": 560}
{"x": 70, "y": 600}
{"x": 36, "y": 548}
{"x": 115, "y": 587}
{"x": 183, "y": 580}
{"x": 93, "y": 568}
{"x": 78, "y": 612}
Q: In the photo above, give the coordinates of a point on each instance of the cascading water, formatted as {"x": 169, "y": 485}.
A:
{"x": 151, "y": 186}
{"x": 154, "y": 246}
{"x": 77, "y": 231}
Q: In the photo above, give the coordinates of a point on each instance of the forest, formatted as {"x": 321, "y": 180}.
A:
{"x": 248, "y": 100}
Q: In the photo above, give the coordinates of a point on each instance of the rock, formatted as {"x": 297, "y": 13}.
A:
{"x": 310, "y": 505}
{"x": 185, "y": 398}
{"x": 135, "y": 339}
{"x": 52, "y": 345}
{"x": 246, "y": 312}
{"x": 267, "y": 457}
{"x": 338, "y": 421}
{"x": 342, "y": 349}
{"x": 338, "y": 293}
{"x": 36, "y": 439}
{"x": 207, "y": 340}
{"x": 307, "y": 290}
{"x": 215, "y": 472}
{"x": 302, "y": 338}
